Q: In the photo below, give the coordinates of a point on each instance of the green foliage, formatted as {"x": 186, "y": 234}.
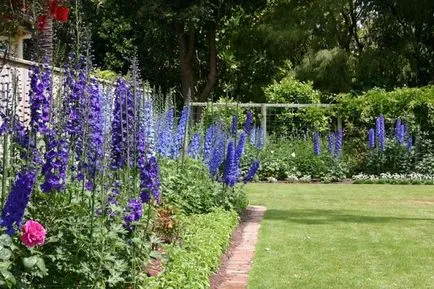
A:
{"x": 20, "y": 267}
{"x": 394, "y": 159}
{"x": 205, "y": 237}
{"x": 414, "y": 105}
{"x": 294, "y": 121}
{"x": 294, "y": 159}
{"x": 224, "y": 111}
{"x": 188, "y": 186}
{"x": 86, "y": 253}
{"x": 329, "y": 70}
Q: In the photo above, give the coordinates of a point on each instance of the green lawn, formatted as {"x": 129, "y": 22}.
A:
{"x": 344, "y": 236}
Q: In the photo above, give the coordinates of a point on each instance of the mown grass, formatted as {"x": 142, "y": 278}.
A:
{"x": 344, "y": 236}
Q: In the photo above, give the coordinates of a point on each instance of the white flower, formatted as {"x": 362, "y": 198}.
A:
{"x": 293, "y": 155}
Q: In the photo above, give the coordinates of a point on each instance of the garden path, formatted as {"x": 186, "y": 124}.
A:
{"x": 237, "y": 263}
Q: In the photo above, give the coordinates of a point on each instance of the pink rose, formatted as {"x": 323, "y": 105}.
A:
{"x": 33, "y": 234}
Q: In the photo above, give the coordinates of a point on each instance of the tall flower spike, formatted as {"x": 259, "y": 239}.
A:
{"x": 380, "y": 132}
{"x": 338, "y": 144}
{"x": 181, "y": 131}
{"x": 122, "y": 126}
{"x": 409, "y": 143}
{"x": 399, "y": 131}
{"x": 94, "y": 143}
{"x": 230, "y": 176}
{"x": 216, "y": 155}
{"x": 149, "y": 128}
{"x": 39, "y": 98}
{"x": 240, "y": 149}
{"x": 253, "y": 136}
{"x": 134, "y": 213}
{"x": 248, "y": 122}
{"x": 209, "y": 142}
{"x": 193, "y": 148}
{"x": 166, "y": 134}
{"x": 55, "y": 165}
{"x": 331, "y": 142}
{"x": 252, "y": 172}
{"x": 149, "y": 177}
{"x": 371, "y": 138}
{"x": 260, "y": 137}
{"x": 17, "y": 201}
{"x": 316, "y": 144}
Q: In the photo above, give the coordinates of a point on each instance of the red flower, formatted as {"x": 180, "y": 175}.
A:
{"x": 33, "y": 234}
{"x": 41, "y": 22}
{"x": 62, "y": 14}
{"x": 54, "y": 4}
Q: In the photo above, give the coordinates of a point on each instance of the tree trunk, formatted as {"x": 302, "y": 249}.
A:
{"x": 186, "y": 52}
{"x": 212, "y": 75}
{"x": 46, "y": 41}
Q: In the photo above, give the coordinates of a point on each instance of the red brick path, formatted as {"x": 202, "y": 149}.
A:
{"x": 236, "y": 272}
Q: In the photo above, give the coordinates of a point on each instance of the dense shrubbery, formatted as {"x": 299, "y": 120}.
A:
{"x": 205, "y": 237}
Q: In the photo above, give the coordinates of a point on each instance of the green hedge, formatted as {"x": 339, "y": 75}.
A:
{"x": 190, "y": 264}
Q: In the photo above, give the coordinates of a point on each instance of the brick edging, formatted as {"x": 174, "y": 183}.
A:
{"x": 235, "y": 272}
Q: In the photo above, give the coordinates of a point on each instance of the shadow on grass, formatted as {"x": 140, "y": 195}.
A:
{"x": 318, "y": 217}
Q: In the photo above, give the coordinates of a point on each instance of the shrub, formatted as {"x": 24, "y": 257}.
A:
{"x": 188, "y": 186}
{"x": 205, "y": 237}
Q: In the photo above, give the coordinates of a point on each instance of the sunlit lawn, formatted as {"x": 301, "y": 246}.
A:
{"x": 344, "y": 236}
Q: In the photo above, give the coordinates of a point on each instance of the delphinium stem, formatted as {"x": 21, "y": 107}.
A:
{"x": 5, "y": 168}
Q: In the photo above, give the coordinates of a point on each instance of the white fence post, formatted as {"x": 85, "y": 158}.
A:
{"x": 264, "y": 120}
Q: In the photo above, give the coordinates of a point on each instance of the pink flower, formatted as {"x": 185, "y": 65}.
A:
{"x": 33, "y": 234}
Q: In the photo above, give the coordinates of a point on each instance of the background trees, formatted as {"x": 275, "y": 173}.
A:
{"x": 214, "y": 48}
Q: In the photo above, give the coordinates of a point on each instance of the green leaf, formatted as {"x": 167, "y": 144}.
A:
{"x": 5, "y": 240}
{"x": 41, "y": 265}
{"x": 29, "y": 262}
{"x": 5, "y": 254}
{"x": 8, "y": 278}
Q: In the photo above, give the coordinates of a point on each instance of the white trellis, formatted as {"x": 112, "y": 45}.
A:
{"x": 265, "y": 106}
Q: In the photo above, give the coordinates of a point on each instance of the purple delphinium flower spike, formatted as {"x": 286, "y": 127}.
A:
{"x": 39, "y": 98}
{"x": 240, "y": 149}
{"x": 149, "y": 173}
{"x": 409, "y": 143}
{"x": 252, "y": 172}
{"x": 216, "y": 156}
{"x": 166, "y": 134}
{"x": 399, "y": 131}
{"x": 331, "y": 142}
{"x": 194, "y": 147}
{"x": 17, "y": 201}
{"x": 338, "y": 143}
{"x": 134, "y": 212}
{"x": 181, "y": 131}
{"x": 316, "y": 144}
{"x": 55, "y": 165}
{"x": 248, "y": 122}
{"x": 380, "y": 132}
{"x": 94, "y": 143}
{"x": 149, "y": 127}
{"x": 253, "y": 136}
{"x": 209, "y": 142}
{"x": 122, "y": 126}
{"x": 230, "y": 176}
{"x": 371, "y": 138}
{"x": 260, "y": 137}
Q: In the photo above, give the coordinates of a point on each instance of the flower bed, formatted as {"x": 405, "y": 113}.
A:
{"x": 205, "y": 237}
{"x": 399, "y": 179}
